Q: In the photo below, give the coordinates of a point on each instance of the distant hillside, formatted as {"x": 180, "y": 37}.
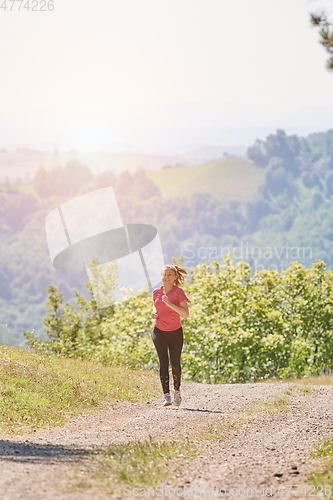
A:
{"x": 209, "y": 153}
{"x": 25, "y": 163}
{"x": 230, "y": 178}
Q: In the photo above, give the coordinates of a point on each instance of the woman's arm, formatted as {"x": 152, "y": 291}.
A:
{"x": 154, "y": 314}
{"x": 182, "y": 309}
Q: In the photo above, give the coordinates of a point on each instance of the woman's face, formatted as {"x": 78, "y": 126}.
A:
{"x": 168, "y": 276}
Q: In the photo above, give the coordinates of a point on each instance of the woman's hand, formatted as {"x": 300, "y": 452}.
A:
{"x": 182, "y": 309}
{"x": 166, "y": 299}
{"x": 154, "y": 315}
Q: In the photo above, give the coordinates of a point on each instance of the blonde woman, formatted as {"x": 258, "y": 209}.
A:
{"x": 170, "y": 302}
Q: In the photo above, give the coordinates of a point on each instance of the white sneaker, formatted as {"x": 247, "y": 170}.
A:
{"x": 167, "y": 400}
{"x": 177, "y": 398}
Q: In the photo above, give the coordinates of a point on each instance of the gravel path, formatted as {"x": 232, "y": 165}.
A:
{"x": 257, "y": 451}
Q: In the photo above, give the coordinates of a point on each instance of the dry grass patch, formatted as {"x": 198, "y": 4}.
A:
{"x": 313, "y": 380}
{"x": 222, "y": 428}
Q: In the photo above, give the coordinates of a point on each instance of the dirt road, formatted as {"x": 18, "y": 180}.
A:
{"x": 253, "y": 441}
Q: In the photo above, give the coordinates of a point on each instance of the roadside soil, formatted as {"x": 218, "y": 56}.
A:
{"x": 250, "y": 445}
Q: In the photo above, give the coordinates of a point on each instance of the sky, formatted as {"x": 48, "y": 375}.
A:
{"x": 160, "y": 75}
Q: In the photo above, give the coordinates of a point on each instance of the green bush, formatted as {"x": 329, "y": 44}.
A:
{"x": 241, "y": 327}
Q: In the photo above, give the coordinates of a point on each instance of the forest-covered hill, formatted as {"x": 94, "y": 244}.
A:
{"x": 289, "y": 216}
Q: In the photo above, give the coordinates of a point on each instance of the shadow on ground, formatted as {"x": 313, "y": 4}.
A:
{"x": 203, "y": 411}
{"x": 28, "y": 452}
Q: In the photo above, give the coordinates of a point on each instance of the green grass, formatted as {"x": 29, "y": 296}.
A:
{"x": 273, "y": 405}
{"x": 231, "y": 178}
{"x": 44, "y": 390}
{"x": 137, "y": 464}
{"x": 216, "y": 430}
{"x": 277, "y": 404}
{"x": 324, "y": 477}
{"x": 305, "y": 389}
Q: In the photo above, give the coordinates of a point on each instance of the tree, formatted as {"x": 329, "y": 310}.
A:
{"x": 17, "y": 207}
{"x": 61, "y": 181}
{"x": 285, "y": 149}
{"x": 276, "y": 179}
{"x": 77, "y": 175}
{"x": 144, "y": 187}
{"x": 326, "y": 34}
{"x": 257, "y": 153}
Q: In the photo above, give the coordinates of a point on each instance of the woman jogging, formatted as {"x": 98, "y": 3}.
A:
{"x": 170, "y": 302}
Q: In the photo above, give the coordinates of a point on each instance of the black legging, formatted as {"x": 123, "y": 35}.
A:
{"x": 174, "y": 342}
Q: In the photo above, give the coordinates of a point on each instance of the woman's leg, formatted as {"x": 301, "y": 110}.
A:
{"x": 175, "y": 343}
{"x": 161, "y": 347}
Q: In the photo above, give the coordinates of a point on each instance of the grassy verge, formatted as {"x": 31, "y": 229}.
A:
{"x": 142, "y": 464}
{"x": 314, "y": 380}
{"x": 323, "y": 479}
{"x": 41, "y": 391}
